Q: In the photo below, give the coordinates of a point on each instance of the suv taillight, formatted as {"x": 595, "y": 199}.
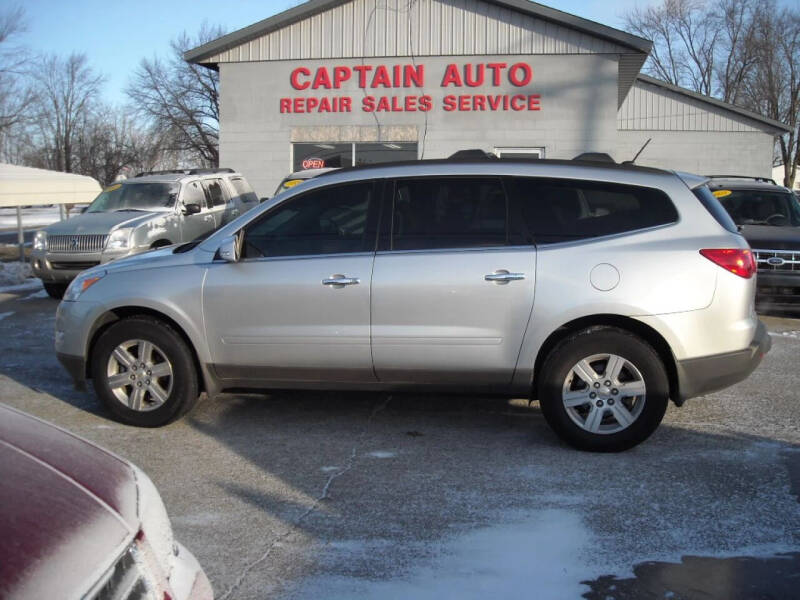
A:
{"x": 737, "y": 261}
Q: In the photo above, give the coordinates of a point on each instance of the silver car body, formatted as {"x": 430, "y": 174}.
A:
{"x": 79, "y": 243}
{"x": 431, "y": 318}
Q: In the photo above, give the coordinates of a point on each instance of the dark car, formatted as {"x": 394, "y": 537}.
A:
{"x": 768, "y": 215}
{"x": 79, "y": 522}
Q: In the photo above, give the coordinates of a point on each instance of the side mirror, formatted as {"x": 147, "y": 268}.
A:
{"x": 191, "y": 209}
{"x": 84, "y": 209}
{"x": 230, "y": 249}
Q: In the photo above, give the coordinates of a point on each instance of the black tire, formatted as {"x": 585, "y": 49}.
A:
{"x": 597, "y": 341}
{"x": 184, "y": 381}
{"x": 55, "y": 290}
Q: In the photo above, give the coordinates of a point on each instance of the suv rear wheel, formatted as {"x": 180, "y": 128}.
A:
{"x": 604, "y": 390}
{"x": 143, "y": 372}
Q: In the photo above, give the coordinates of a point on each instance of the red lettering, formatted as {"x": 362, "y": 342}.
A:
{"x": 344, "y": 104}
{"x": 340, "y": 75}
{"x": 286, "y": 105}
{"x": 414, "y": 74}
{"x": 480, "y": 102}
{"x": 362, "y": 71}
{"x": 298, "y": 105}
{"x": 497, "y": 71}
{"x": 494, "y": 101}
{"x": 463, "y": 103}
{"x": 293, "y": 79}
{"x": 410, "y": 104}
{"x": 518, "y": 102}
{"x": 425, "y": 103}
{"x": 533, "y": 102}
{"x": 381, "y": 77}
{"x": 527, "y": 74}
{"x": 450, "y": 103}
{"x": 451, "y": 75}
{"x": 311, "y": 104}
{"x": 322, "y": 79}
{"x": 477, "y": 79}
{"x": 368, "y": 104}
{"x": 383, "y": 105}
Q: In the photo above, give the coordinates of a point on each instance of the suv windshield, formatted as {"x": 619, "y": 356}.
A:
{"x": 135, "y": 196}
{"x": 760, "y": 207}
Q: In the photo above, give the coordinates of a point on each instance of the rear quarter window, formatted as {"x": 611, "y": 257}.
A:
{"x": 714, "y": 207}
{"x": 558, "y": 210}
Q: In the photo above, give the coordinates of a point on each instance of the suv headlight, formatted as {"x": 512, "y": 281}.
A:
{"x": 40, "y": 240}
{"x": 82, "y": 283}
{"x": 119, "y": 239}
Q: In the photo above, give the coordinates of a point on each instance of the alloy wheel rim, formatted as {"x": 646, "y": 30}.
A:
{"x": 140, "y": 375}
{"x": 604, "y": 393}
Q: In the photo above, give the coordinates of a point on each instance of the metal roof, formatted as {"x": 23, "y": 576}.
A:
{"x": 714, "y": 102}
{"x": 313, "y": 7}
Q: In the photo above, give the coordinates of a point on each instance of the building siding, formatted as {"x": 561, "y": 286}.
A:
{"x": 649, "y": 107}
{"x": 366, "y": 28}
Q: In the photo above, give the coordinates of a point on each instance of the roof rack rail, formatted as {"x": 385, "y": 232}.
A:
{"x": 472, "y": 154}
{"x": 762, "y": 179}
{"x": 196, "y": 171}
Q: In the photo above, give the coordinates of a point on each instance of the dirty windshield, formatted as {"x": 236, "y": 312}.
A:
{"x": 136, "y": 196}
{"x": 756, "y": 207}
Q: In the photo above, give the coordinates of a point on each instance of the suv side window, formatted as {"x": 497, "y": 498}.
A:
{"x": 332, "y": 220}
{"x": 464, "y": 212}
{"x": 243, "y": 189}
{"x": 193, "y": 194}
{"x": 216, "y": 196}
{"x": 558, "y": 210}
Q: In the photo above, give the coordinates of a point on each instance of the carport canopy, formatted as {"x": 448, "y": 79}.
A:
{"x": 26, "y": 186}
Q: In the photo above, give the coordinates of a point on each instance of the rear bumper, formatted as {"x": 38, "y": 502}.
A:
{"x": 699, "y": 376}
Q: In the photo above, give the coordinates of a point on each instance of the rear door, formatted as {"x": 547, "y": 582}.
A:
{"x": 218, "y": 201}
{"x": 451, "y": 292}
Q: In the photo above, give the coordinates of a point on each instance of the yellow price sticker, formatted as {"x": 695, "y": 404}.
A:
{"x": 116, "y": 186}
{"x": 721, "y": 193}
{"x": 291, "y": 183}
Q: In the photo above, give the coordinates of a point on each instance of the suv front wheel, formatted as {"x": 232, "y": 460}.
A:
{"x": 603, "y": 389}
{"x": 143, "y": 372}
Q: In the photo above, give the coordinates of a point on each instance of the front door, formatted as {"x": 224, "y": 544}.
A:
{"x": 451, "y": 296}
{"x": 296, "y": 307}
{"x": 193, "y": 226}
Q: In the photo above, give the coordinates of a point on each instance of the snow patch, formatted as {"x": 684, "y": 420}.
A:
{"x": 31, "y": 217}
{"x": 329, "y": 469}
{"x": 790, "y": 334}
{"x": 382, "y": 454}
{"x": 6, "y": 314}
{"x": 14, "y": 273}
{"x": 40, "y": 294}
{"x": 493, "y": 562}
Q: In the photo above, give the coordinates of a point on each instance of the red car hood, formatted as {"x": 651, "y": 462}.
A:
{"x": 67, "y": 509}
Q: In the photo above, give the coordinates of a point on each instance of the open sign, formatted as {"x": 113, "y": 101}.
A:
{"x": 313, "y": 163}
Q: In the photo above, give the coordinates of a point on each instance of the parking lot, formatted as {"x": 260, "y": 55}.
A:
{"x": 341, "y": 495}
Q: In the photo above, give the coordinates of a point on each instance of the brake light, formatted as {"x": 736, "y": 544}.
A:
{"x": 737, "y": 261}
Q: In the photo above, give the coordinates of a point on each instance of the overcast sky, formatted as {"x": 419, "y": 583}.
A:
{"x": 117, "y": 35}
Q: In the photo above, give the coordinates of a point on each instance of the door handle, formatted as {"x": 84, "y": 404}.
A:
{"x": 340, "y": 281}
{"x": 503, "y": 276}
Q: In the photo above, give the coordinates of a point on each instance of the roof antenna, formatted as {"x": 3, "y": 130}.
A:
{"x": 633, "y": 160}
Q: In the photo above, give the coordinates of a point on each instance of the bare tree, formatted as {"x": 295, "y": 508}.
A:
{"x": 16, "y": 96}
{"x": 182, "y": 98}
{"x": 66, "y": 92}
{"x": 773, "y": 87}
{"x": 737, "y": 47}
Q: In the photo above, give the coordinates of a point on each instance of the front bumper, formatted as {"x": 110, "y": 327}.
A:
{"x": 700, "y": 376}
{"x": 778, "y": 290}
{"x": 64, "y": 267}
{"x": 76, "y": 367}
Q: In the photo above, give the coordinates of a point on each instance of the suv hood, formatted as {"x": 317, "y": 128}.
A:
{"x": 100, "y": 222}
{"x": 765, "y": 237}
{"x": 67, "y": 509}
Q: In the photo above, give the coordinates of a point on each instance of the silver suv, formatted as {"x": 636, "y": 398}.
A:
{"x": 148, "y": 211}
{"x": 600, "y": 290}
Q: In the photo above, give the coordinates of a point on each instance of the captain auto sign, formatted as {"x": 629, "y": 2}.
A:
{"x": 390, "y": 88}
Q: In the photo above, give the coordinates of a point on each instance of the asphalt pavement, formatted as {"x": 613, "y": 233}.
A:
{"x": 343, "y": 495}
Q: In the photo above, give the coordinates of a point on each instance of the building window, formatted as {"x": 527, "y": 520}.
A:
{"x": 519, "y": 152}
{"x": 322, "y": 154}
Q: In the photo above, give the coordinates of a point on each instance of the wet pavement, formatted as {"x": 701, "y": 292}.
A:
{"x": 306, "y": 495}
